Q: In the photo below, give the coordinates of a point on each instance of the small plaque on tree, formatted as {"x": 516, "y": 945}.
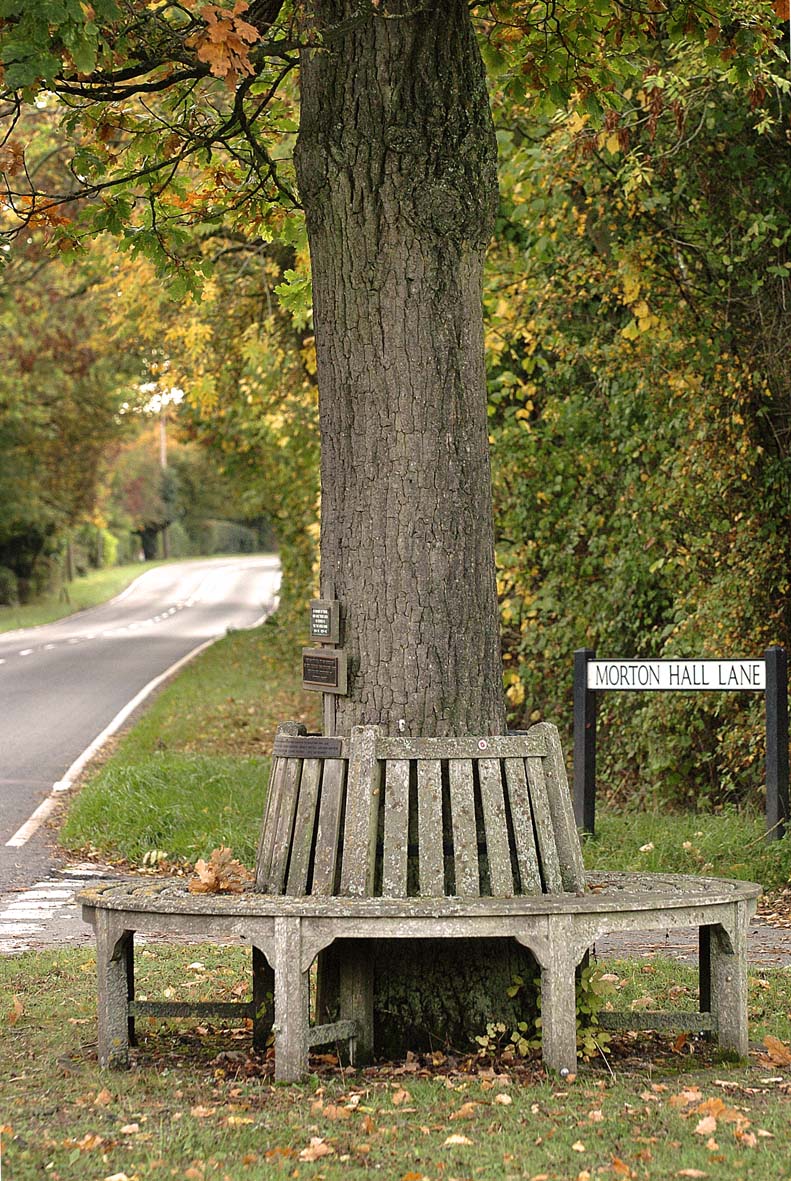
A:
{"x": 325, "y": 621}
{"x": 324, "y": 669}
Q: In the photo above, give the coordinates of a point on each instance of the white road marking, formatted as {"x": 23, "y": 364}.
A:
{"x": 25, "y": 651}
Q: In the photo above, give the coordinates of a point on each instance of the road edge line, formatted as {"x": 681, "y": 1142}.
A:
{"x": 46, "y": 807}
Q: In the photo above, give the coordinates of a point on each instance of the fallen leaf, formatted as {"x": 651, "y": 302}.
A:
{"x": 596, "y": 1117}
{"x": 456, "y": 1139}
{"x": 16, "y": 1012}
{"x": 221, "y": 874}
{"x": 466, "y": 1111}
{"x": 712, "y": 1144}
{"x": 777, "y": 1052}
{"x": 691, "y": 1173}
{"x": 684, "y": 1098}
{"x": 503, "y": 1099}
{"x": 410, "y": 1176}
{"x": 368, "y": 1125}
{"x": 237, "y": 1121}
{"x": 200, "y": 1112}
{"x": 103, "y": 1098}
{"x": 400, "y": 1097}
{"x": 130, "y": 1129}
{"x": 316, "y": 1149}
{"x": 578, "y": 1146}
{"x": 748, "y": 1139}
{"x": 706, "y": 1126}
{"x": 621, "y": 1169}
{"x": 337, "y": 1113}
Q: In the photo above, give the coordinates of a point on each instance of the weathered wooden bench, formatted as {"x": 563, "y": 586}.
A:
{"x": 374, "y": 837}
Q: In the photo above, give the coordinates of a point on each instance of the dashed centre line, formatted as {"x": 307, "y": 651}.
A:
{"x": 109, "y": 634}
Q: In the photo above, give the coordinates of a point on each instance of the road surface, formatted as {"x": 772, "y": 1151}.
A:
{"x": 63, "y": 684}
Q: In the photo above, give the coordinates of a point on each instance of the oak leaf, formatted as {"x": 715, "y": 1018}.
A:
{"x": 316, "y": 1149}
{"x": 777, "y": 1052}
{"x": 466, "y": 1111}
{"x": 221, "y": 874}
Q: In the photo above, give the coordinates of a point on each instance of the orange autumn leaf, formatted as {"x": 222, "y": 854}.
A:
{"x": 777, "y": 1052}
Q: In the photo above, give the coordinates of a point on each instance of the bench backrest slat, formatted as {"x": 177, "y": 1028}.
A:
{"x": 281, "y": 848}
{"x": 522, "y": 820}
{"x": 328, "y": 833}
{"x": 362, "y": 814}
{"x": 304, "y": 826}
{"x": 497, "y": 850}
{"x": 429, "y": 818}
{"x": 542, "y": 819}
{"x": 274, "y": 799}
{"x": 465, "y": 833}
{"x": 373, "y": 815}
{"x": 562, "y": 811}
{"x": 396, "y": 829}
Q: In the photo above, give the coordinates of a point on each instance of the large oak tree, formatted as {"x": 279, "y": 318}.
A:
{"x": 182, "y": 118}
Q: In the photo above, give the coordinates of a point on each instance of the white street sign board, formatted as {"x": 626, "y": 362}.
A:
{"x": 676, "y": 674}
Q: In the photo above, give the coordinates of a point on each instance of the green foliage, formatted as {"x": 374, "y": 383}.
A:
{"x": 9, "y": 590}
{"x": 639, "y": 411}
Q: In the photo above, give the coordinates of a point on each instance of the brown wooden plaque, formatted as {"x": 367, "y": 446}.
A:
{"x": 324, "y": 669}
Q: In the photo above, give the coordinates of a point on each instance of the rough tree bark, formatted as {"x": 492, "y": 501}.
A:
{"x": 396, "y": 163}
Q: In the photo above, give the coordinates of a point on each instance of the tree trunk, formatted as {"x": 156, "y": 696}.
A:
{"x": 396, "y": 163}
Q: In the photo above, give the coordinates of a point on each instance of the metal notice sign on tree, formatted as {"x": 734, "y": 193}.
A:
{"x": 767, "y": 675}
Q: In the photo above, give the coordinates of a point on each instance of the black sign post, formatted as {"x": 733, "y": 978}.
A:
{"x": 584, "y": 743}
{"x": 768, "y": 675}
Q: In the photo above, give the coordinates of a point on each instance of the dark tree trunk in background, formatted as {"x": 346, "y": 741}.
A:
{"x": 396, "y": 162}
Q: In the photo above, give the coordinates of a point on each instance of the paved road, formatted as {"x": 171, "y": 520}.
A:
{"x": 63, "y": 684}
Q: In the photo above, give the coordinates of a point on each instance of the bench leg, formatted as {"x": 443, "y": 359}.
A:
{"x": 729, "y": 983}
{"x": 263, "y": 999}
{"x": 115, "y": 975}
{"x": 292, "y": 997}
{"x": 559, "y": 1013}
{"x": 357, "y": 999}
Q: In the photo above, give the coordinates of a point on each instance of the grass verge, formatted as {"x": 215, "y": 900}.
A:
{"x": 199, "y": 1105}
{"x": 89, "y": 590}
{"x": 192, "y": 773}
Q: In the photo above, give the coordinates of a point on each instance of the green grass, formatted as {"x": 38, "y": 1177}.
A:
{"x": 198, "y": 1104}
{"x": 88, "y": 590}
{"x": 728, "y": 844}
{"x": 191, "y": 774}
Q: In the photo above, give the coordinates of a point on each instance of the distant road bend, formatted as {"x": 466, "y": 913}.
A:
{"x": 64, "y": 684}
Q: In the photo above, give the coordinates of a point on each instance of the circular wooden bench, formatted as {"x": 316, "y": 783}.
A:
{"x": 392, "y": 838}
